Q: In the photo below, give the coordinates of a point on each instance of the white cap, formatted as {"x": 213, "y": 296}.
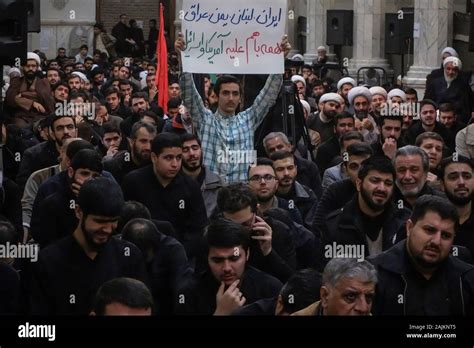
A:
{"x": 451, "y": 51}
{"x": 396, "y": 92}
{"x": 297, "y": 57}
{"x": 81, "y": 76}
{"x": 14, "y": 72}
{"x": 378, "y": 90}
{"x": 455, "y": 60}
{"x": 326, "y": 97}
{"x": 345, "y": 80}
{"x": 357, "y": 92}
{"x": 306, "y": 106}
{"x": 298, "y": 78}
{"x": 34, "y": 56}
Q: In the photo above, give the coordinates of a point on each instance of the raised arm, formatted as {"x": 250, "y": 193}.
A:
{"x": 189, "y": 94}
{"x": 269, "y": 93}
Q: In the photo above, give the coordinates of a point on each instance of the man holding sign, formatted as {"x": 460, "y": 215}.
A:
{"x": 228, "y": 138}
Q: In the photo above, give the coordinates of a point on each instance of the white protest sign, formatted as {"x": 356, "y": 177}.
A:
{"x": 233, "y": 37}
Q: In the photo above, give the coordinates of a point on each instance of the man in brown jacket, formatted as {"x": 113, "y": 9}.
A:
{"x": 29, "y": 96}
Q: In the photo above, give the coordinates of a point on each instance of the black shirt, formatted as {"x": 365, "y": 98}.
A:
{"x": 179, "y": 203}
{"x": 426, "y": 296}
{"x": 65, "y": 280}
{"x": 325, "y": 129}
{"x": 166, "y": 271}
{"x": 120, "y": 165}
{"x": 465, "y": 233}
{"x": 199, "y": 293}
{"x": 54, "y": 217}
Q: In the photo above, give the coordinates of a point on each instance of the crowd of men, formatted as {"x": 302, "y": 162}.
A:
{"x": 137, "y": 211}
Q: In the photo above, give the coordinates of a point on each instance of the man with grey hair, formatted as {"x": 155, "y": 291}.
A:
{"x": 412, "y": 166}
{"x": 308, "y": 171}
{"x": 348, "y": 289}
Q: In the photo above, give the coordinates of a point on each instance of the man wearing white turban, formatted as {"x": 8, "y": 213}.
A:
{"x": 453, "y": 86}
{"x": 29, "y": 96}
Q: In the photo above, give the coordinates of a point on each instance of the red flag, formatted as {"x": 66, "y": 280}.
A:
{"x": 161, "y": 78}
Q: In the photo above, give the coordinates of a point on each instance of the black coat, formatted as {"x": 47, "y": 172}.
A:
{"x": 327, "y": 152}
{"x": 199, "y": 293}
{"x": 417, "y": 128}
{"x": 391, "y": 290}
{"x": 459, "y": 93}
{"x": 309, "y": 175}
{"x": 345, "y": 227}
{"x": 35, "y": 158}
{"x": 334, "y": 197}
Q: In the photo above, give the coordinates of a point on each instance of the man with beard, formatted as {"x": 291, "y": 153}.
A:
{"x": 344, "y": 85}
{"x": 360, "y": 99}
{"x": 453, "y": 87}
{"x": 169, "y": 194}
{"x": 74, "y": 82}
{"x": 46, "y": 154}
{"x": 308, "y": 171}
{"x": 412, "y": 102}
{"x": 379, "y": 100}
{"x": 323, "y": 121}
{"x": 428, "y": 123}
{"x": 85, "y": 164}
{"x": 264, "y": 184}
{"x": 139, "y": 105}
{"x": 60, "y": 92}
{"x": 140, "y": 141}
{"x": 419, "y": 276}
{"x": 29, "y": 96}
{"x": 448, "y": 117}
{"x": 412, "y": 166}
{"x": 52, "y": 75}
{"x": 328, "y": 151}
{"x": 369, "y": 221}
{"x": 69, "y": 272}
{"x": 289, "y": 188}
{"x": 390, "y": 128}
{"x": 457, "y": 177}
{"x": 228, "y": 282}
{"x": 209, "y": 182}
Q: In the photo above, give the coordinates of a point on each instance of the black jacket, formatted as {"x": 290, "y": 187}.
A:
{"x": 9, "y": 291}
{"x": 166, "y": 271}
{"x": 392, "y": 287}
{"x": 345, "y": 227}
{"x": 397, "y": 197}
{"x": 180, "y": 203}
{"x": 417, "y": 128}
{"x": 304, "y": 199}
{"x": 35, "y": 158}
{"x": 327, "y": 152}
{"x": 120, "y": 165}
{"x": 459, "y": 93}
{"x": 309, "y": 175}
{"x": 54, "y": 217}
{"x": 334, "y": 197}
{"x": 199, "y": 293}
{"x": 65, "y": 280}
{"x": 281, "y": 262}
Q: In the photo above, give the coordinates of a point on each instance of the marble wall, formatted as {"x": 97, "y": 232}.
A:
{"x": 64, "y": 23}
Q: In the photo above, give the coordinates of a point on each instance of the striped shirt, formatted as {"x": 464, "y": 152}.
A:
{"x": 228, "y": 141}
